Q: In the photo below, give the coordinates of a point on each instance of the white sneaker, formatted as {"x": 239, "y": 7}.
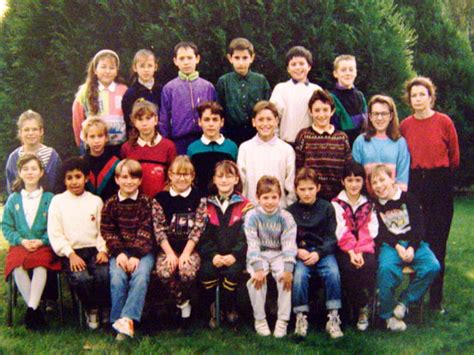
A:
{"x": 333, "y": 326}
{"x": 363, "y": 321}
{"x": 262, "y": 328}
{"x": 400, "y": 311}
{"x": 280, "y": 328}
{"x": 124, "y": 326}
{"x": 301, "y": 326}
{"x": 185, "y": 309}
{"x": 92, "y": 318}
{"x": 396, "y": 325}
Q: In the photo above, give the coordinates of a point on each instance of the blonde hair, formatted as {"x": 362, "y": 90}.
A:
{"x": 18, "y": 184}
{"x": 133, "y": 167}
{"x": 93, "y": 121}
{"x": 142, "y": 53}
{"x": 342, "y": 57}
{"x": 393, "y": 129}
{"x": 29, "y": 115}
{"x": 265, "y": 105}
{"x": 378, "y": 170}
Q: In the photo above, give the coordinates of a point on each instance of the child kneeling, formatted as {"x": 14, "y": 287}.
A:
{"x": 271, "y": 240}
{"x": 401, "y": 236}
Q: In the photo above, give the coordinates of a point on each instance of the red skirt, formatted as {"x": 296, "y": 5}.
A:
{"x": 19, "y": 256}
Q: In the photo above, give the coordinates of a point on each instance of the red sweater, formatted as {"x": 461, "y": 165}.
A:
{"x": 432, "y": 142}
{"x": 154, "y": 161}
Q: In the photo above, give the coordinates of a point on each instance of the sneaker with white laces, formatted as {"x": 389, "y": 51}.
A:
{"x": 280, "y": 328}
{"x": 400, "y": 311}
{"x": 262, "y": 328}
{"x": 396, "y": 325}
{"x": 92, "y": 318}
{"x": 124, "y": 326}
{"x": 333, "y": 326}
{"x": 363, "y": 321}
{"x": 301, "y": 325}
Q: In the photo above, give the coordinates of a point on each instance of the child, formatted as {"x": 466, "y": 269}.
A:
{"x": 146, "y": 145}
{"x": 223, "y": 245}
{"x": 73, "y": 229}
{"x": 102, "y": 159}
{"x": 24, "y": 227}
{"x": 212, "y": 147}
{"x": 351, "y": 107}
{"x": 240, "y": 90}
{"x": 179, "y": 219}
{"x": 128, "y": 231}
{"x": 101, "y": 95}
{"x": 271, "y": 240}
{"x": 357, "y": 226}
{"x": 144, "y": 84}
{"x": 291, "y": 97}
{"x": 322, "y": 147}
{"x": 31, "y": 132}
{"x": 401, "y": 236}
{"x": 267, "y": 154}
{"x": 181, "y": 96}
{"x": 316, "y": 242}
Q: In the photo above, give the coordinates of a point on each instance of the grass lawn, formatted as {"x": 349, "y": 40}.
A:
{"x": 451, "y": 333}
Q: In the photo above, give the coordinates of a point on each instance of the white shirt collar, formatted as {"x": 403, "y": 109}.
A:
{"x": 132, "y": 197}
{"x": 110, "y": 88}
{"x": 319, "y": 131}
{"x": 143, "y": 143}
{"x": 184, "y": 194}
{"x": 31, "y": 195}
{"x": 148, "y": 85}
{"x": 207, "y": 141}
{"x": 396, "y": 197}
{"x": 343, "y": 196}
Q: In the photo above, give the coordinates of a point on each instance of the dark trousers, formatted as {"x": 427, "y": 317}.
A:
{"x": 92, "y": 284}
{"x": 434, "y": 191}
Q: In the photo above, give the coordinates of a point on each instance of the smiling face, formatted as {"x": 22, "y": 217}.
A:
{"x": 321, "y": 113}
{"x": 420, "y": 98}
{"x": 146, "y": 125}
{"x": 31, "y": 173}
{"x": 353, "y": 186}
{"x": 241, "y": 61}
{"x": 269, "y": 201}
{"x": 211, "y": 124}
{"x": 181, "y": 180}
{"x": 265, "y": 123}
{"x": 307, "y": 191}
{"x": 31, "y": 133}
{"x": 145, "y": 67}
{"x": 96, "y": 139}
{"x": 186, "y": 60}
{"x": 106, "y": 70}
{"x": 383, "y": 185}
{"x": 380, "y": 117}
{"x": 225, "y": 182}
{"x": 127, "y": 183}
{"x": 298, "y": 68}
{"x": 346, "y": 73}
{"x": 75, "y": 182}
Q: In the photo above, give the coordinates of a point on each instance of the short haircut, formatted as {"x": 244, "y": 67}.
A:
{"x": 18, "y": 184}
{"x": 354, "y": 169}
{"x": 240, "y": 44}
{"x": 299, "y": 51}
{"x": 27, "y": 116}
{"x": 342, "y": 57}
{"x": 186, "y": 44}
{"x": 267, "y": 184}
{"x": 420, "y": 81}
{"x": 379, "y": 169}
{"x": 323, "y": 96}
{"x": 75, "y": 163}
{"x": 133, "y": 167}
{"x": 93, "y": 121}
{"x": 307, "y": 174}
{"x": 215, "y": 108}
{"x": 227, "y": 167}
{"x": 393, "y": 129}
{"x": 265, "y": 105}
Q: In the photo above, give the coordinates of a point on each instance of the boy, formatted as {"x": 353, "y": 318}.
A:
{"x": 271, "y": 240}
{"x": 74, "y": 233}
{"x": 181, "y": 96}
{"x": 322, "y": 147}
{"x": 291, "y": 97}
{"x": 239, "y": 91}
{"x": 212, "y": 147}
{"x": 128, "y": 231}
{"x": 351, "y": 107}
{"x": 266, "y": 154}
{"x": 316, "y": 240}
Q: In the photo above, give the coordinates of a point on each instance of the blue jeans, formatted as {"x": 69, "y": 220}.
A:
{"x": 328, "y": 271}
{"x": 390, "y": 276}
{"x": 128, "y": 292}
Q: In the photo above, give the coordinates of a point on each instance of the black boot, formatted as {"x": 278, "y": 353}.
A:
{"x": 40, "y": 321}
{"x": 30, "y": 320}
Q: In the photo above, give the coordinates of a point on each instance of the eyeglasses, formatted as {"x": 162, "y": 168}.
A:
{"x": 380, "y": 114}
{"x": 182, "y": 175}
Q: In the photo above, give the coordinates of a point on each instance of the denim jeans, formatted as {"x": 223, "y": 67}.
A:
{"x": 328, "y": 271}
{"x": 127, "y": 291}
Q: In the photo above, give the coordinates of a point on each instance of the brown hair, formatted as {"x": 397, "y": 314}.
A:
{"x": 267, "y": 184}
{"x": 265, "y": 105}
{"x": 142, "y": 53}
{"x": 27, "y": 116}
{"x": 186, "y": 44}
{"x": 134, "y": 168}
{"x": 18, "y": 184}
{"x": 342, "y": 57}
{"x": 299, "y": 51}
{"x": 141, "y": 108}
{"x": 393, "y": 129}
{"x": 215, "y": 108}
{"x": 378, "y": 170}
{"x": 93, "y": 121}
{"x": 323, "y": 96}
{"x": 307, "y": 174}
{"x": 227, "y": 167}
{"x": 420, "y": 81}
{"x": 240, "y": 44}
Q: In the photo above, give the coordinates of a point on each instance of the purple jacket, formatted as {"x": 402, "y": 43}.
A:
{"x": 179, "y": 101}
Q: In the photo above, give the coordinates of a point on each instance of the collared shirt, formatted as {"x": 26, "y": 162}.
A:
{"x": 31, "y": 202}
{"x": 148, "y": 85}
{"x": 296, "y": 82}
{"x": 329, "y": 131}
{"x": 143, "y": 143}
{"x": 188, "y": 77}
{"x": 184, "y": 194}
{"x": 133, "y": 197}
{"x": 207, "y": 141}
{"x": 395, "y": 197}
{"x": 112, "y": 87}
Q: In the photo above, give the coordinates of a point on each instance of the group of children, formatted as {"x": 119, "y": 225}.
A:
{"x": 283, "y": 196}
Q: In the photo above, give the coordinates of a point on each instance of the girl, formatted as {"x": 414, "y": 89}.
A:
{"x": 144, "y": 84}
{"x": 401, "y": 235}
{"x": 434, "y": 147}
{"x": 30, "y": 133}
{"x": 382, "y": 143}
{"x": 179, "y": 220}
{"x": 357, "y": 226}
{"x": 101, "y": 95}
{"x": 24, "y": 227}
{"x": 101, "y": 159}
{"x": 146, "y": 145}
{"x": 223, "y": 244}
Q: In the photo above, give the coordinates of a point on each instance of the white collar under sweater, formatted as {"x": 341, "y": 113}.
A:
{"x": 112, "y": 87}
{"x": 396, "y": 197}
{"x": 184, "y": 194}
{"x": 143, "y": 143}
{"x": 207, "y": 141}
{"x": 133, "y": 197}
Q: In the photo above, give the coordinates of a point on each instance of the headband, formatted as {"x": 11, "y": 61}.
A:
{"x": 106, "y": 51}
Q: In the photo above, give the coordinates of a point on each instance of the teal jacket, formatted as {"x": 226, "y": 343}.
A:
{"x": 14, "y": 226}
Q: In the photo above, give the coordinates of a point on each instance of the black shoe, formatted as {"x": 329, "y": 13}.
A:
{"x": 40, "y": 321}
{"x": 30, "y": 319}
